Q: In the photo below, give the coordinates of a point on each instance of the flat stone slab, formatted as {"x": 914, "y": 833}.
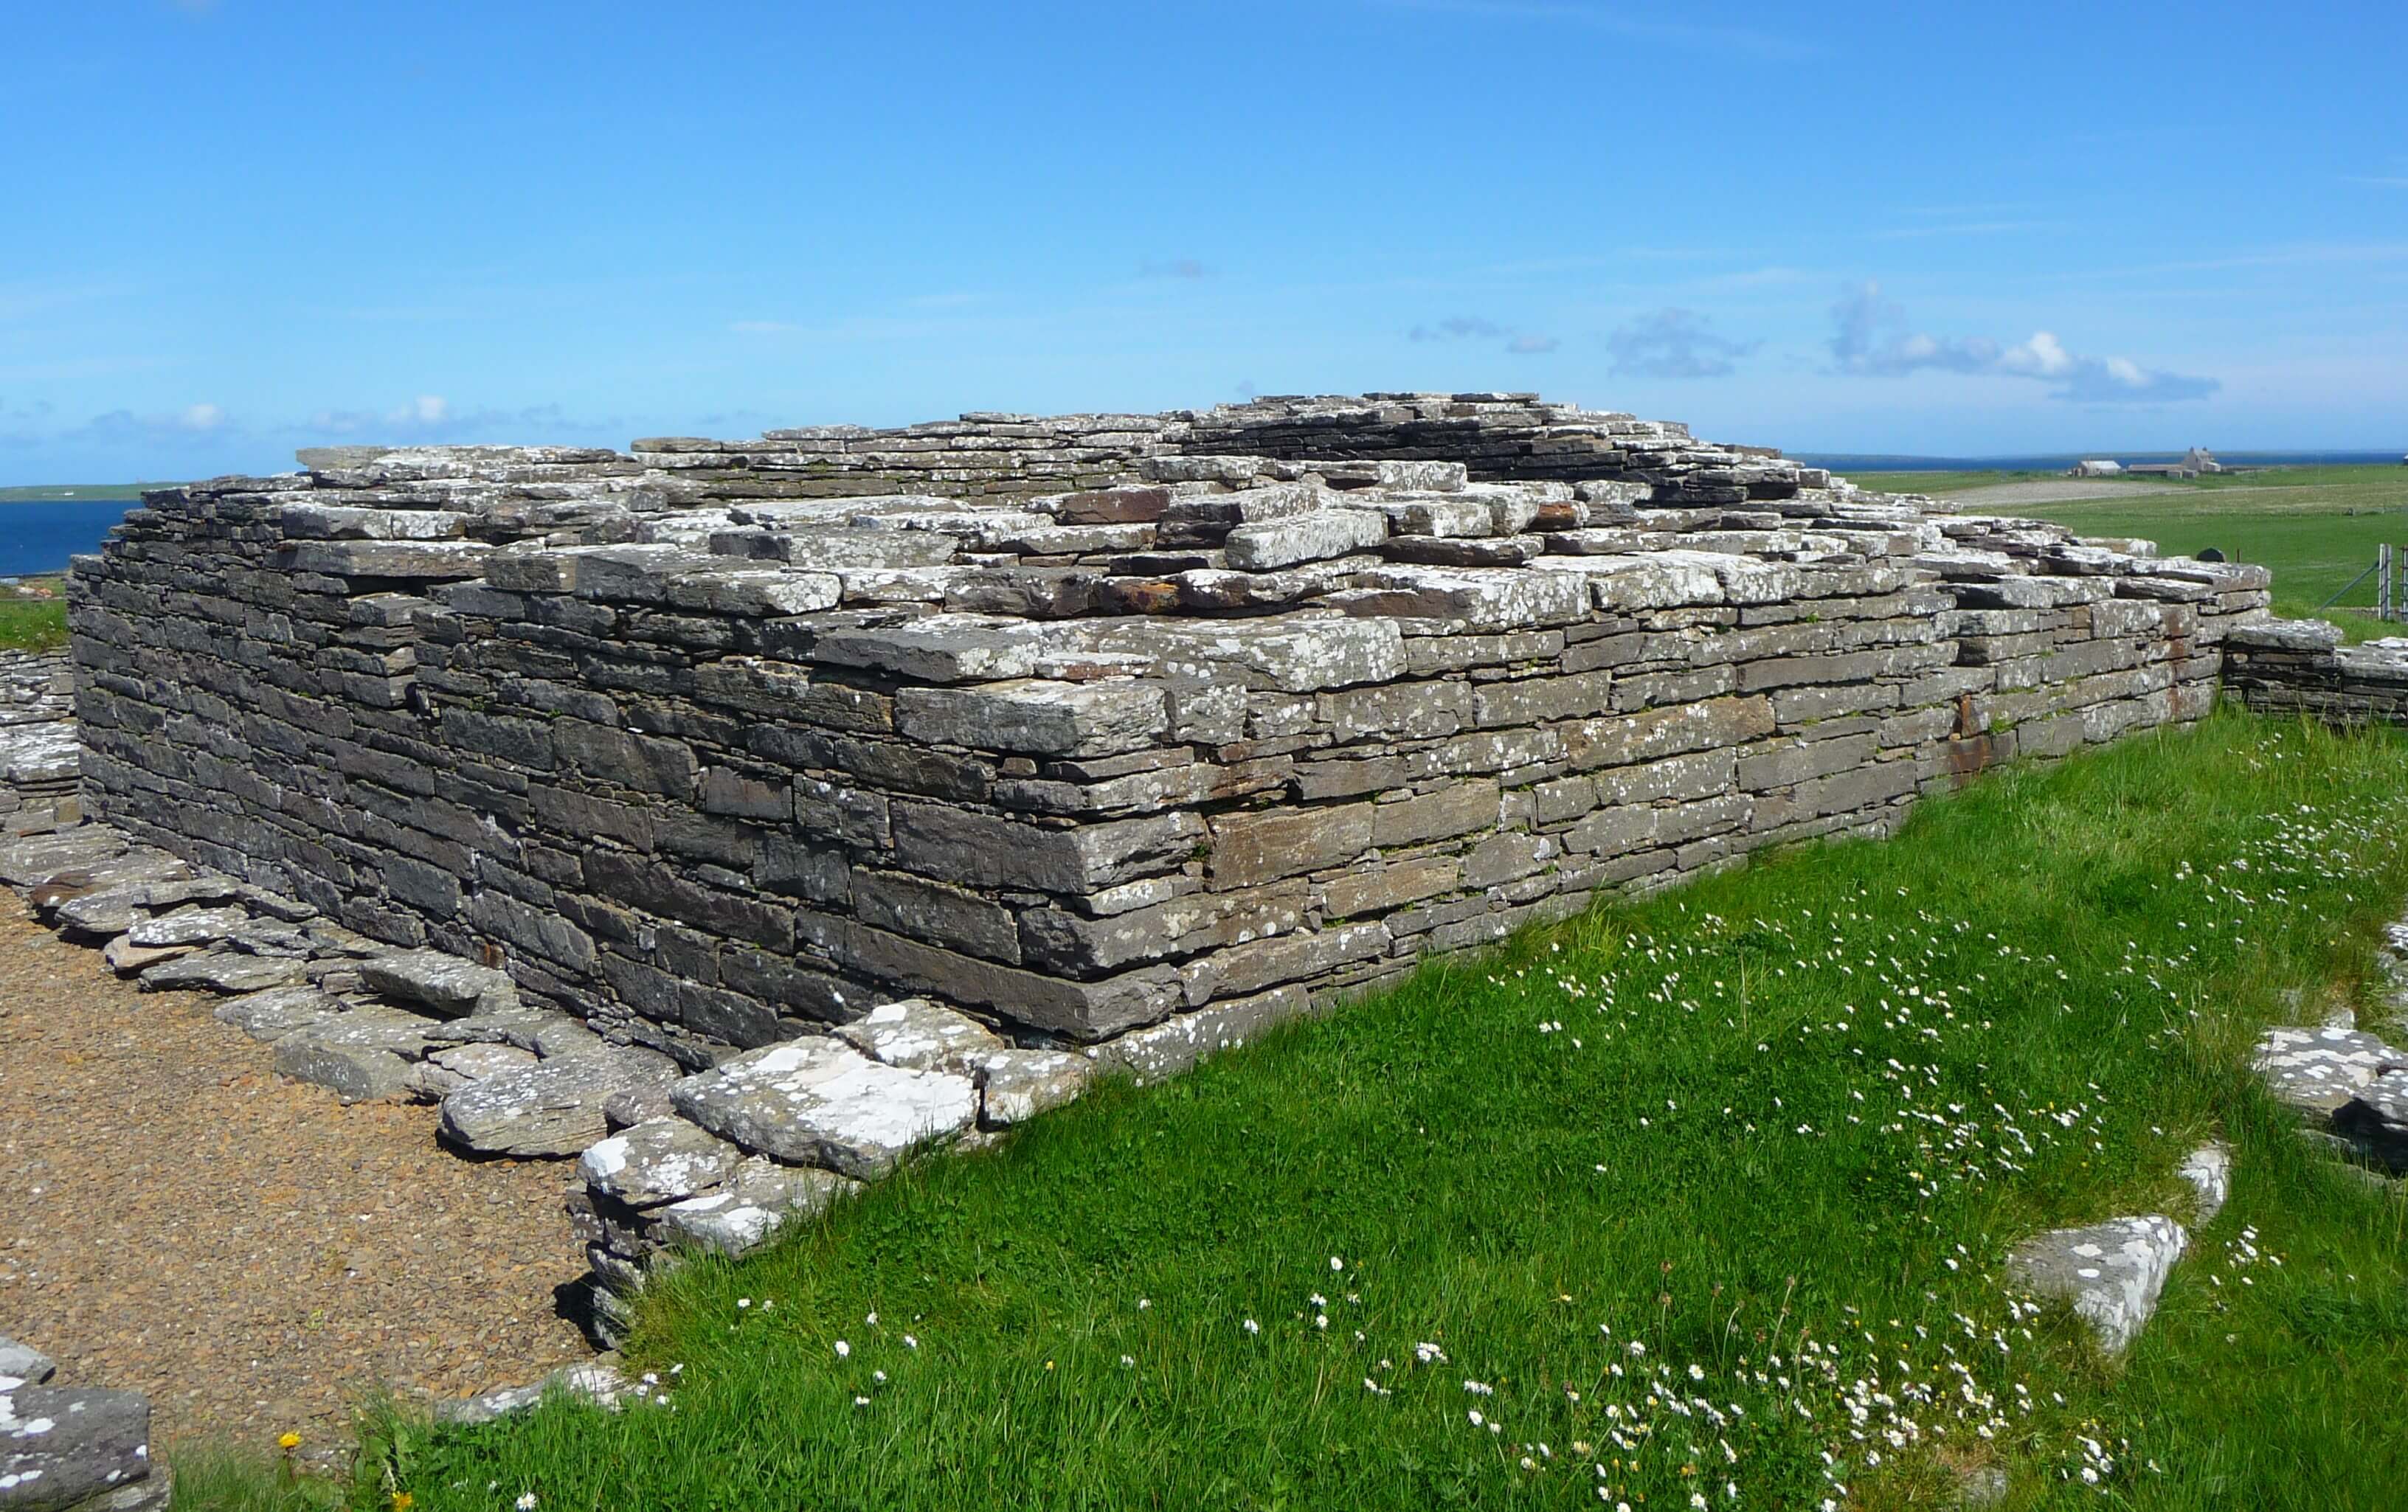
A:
{"x": 1015, "y": 1086}
{"x": 273, "y": 1014}
{"x": 441, "y": 983}
{"x": 658, "y": 1161}
{"x": 761, "y": 1198}
{"x": 2315, "y": 1071}
{"x": 37, "y": 858}
{"x": 188, "y": 926}
{"x": 820, "y": 1103}
{"x": 61, "y": 1447}
{"x": 919, "y": 1036}
{"x": 552, "y": 1109}
{"x": 353, "y": 1073}
{"x": 477, "y": 1063}
{"x": 224, "y": 971}
{"x": 2110, "y": 1272}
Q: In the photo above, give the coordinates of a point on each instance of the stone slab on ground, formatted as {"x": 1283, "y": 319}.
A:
{"x": 437, "y": 982}
{"x": 597, "y": 1382}
{"x": 819, "y": 1103}
{"x": 551, "y": 1108}
{"x": 761, "y": 1198}
{"x": 2110, "y": 1273}
{"x": 61, "y": 1447}
{"x": 2315, "y": 1071}
{"x": 659, "y": 1161}
{"x": 1015, "y": 1086}
{"x": 919, "y": 1036}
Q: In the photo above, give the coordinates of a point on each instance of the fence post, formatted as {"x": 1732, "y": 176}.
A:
{"x": 2383, "y": 582}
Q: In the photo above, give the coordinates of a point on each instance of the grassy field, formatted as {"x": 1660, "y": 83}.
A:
{"x": 49, "y": 493}
{"x": 2318, "y": 527}
{"x": 1695, "y": 1203}
{"x": 33, "y": 614}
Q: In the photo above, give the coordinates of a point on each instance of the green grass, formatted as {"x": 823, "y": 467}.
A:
{"x": 2318, "y": 527}
{"x": 59, "y": 492}
{"x": 1791, "y": 1120}
{"x": 29, "y": 624}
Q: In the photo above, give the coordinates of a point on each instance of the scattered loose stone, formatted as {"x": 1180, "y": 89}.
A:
{"x": 224, "y": 971}
{"x": 273, "y": 1014}
{"x": 64, "y": 1446}
{"x": 757, "y": 1201}
{"x": 818, "y": 1103}
{"x": 443, "y": 984}
{"x": 552, "y": 1109}
{"x": 919, "y": 1036}
{"x": 186, "y": 926}
{"x": 2315, "y": 1071}
{"x": 1017, "y": 1085}
{"x": 2110, "y": 1272}
{"x": 660, "y": 1160}
{"x": 127, "y": 958}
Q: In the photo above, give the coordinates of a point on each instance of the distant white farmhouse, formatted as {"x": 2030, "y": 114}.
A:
{"x": 2096, "y": 467}
{"x": 2196, "y": 463}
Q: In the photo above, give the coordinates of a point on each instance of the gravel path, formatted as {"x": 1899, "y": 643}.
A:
{"x": 177, "y": 1219}
{"x": 1993, "y": 495}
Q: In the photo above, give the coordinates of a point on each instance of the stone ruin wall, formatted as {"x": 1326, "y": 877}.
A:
{"x": 1126, "y": 733}
{"x": 38, "y": 756}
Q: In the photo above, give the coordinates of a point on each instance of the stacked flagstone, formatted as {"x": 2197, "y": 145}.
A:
{"x": 2300, "y": 666}
{"x": 891, "y": 816}
{"x": 39, "y": 755}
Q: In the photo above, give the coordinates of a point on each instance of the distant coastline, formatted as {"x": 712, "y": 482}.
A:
{"x": 75, "y": 492}
{"x": 1842, "y": 462}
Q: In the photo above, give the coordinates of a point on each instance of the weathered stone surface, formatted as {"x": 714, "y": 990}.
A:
{"x": 2110, "y": 1273}
{"x": 919, "y": 1036}
{"x": 1174, "y": 1045}
{"x": 187, "y": 926}
{"x": 439, "y": 983}
{"x": 2315, "y": 1071}
{"x": 224, "y": 971}
{"x": 2208, "y": 1171}
{"x": 1015, "y": 1086}
{"x": 478, "y": 1062}
{"x": 21, "y": 1364}
{"x": 660, "y": 1160}
{"x": 754, "y": 1204}
{"x": 595, "y": 1382}
{"x": 277, "y": 1012}
{"x": 1310, "y": 537}
{"x": 360, "y": 1058}
{"x": 815, "y": 1103}
{"x": 1037, "y": 718}
{"x": 64, "y": 1446}
{"x": 552, "y": 1109}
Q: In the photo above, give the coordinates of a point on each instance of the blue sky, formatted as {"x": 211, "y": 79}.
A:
{"x": 237, "y": 227}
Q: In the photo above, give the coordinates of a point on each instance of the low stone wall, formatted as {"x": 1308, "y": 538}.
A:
{"x": 2300, "y": 666}
{"x": 1136, "y": 769}
{"x": 39, "y": 755}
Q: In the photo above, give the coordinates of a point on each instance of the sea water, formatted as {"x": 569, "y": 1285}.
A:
{"x": 40, "y": 536}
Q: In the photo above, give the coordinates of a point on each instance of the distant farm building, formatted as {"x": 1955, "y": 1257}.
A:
{"x": 2195, "y": 462}
{"x": 2097, "y": 467}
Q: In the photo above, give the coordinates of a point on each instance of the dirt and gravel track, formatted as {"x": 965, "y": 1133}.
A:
{"x": 177, "y": 1219}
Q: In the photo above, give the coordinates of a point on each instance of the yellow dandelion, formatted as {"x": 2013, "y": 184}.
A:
{"x": 288, "y": 1442}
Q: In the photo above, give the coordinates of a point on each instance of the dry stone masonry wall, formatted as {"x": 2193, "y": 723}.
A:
{"x": 776, "y": 806}
{"x": 2300, "y": 666}
{"x": 39, "y": 755}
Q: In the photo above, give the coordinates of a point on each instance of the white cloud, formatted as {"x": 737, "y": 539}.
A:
{"x": 1527, "y": 344}
{"x": 1456, "y": 328}
{"x": 1674, "y": 344}
{"x": 1870, "y": 337}
{"x": 202, "y": 418}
